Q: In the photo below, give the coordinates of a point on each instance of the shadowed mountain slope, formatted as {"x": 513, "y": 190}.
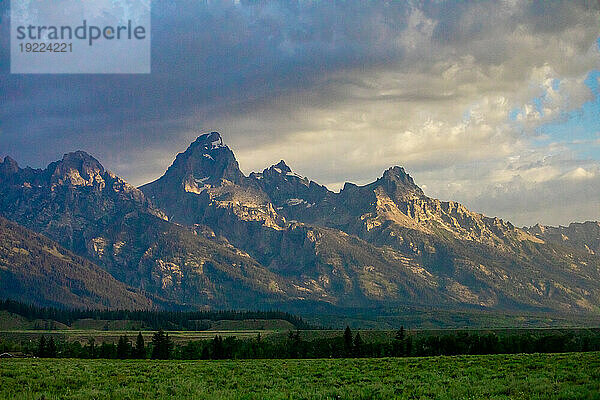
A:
{"x": 35, "y": 269}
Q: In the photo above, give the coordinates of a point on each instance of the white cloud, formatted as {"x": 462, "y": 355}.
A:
{"x": 555, "y": 97}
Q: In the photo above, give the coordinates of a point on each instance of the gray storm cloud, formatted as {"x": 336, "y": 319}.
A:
{"x": 341, "y": 91}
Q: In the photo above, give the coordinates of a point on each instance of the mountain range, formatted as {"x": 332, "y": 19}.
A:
{"x": 205, "y": 235}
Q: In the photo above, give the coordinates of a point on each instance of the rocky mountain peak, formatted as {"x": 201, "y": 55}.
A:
{"x": 277, "y": 236}
{"x": 77, "y": 168}
{"x": 396, "y": 181}
{"x": 81, "y": 161}
{"x": 281, "y": 167}
{"x": 8, "y": 166}
{"x": 537, "y": 229}
{"x": 206, "y": 163}
{"x": 208, "y": 141}
{"x": 208, "y": 160}
{"x": 287, "y": 188}
{"x": 397, "y": 173}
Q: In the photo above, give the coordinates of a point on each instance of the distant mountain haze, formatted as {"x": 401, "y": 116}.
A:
{"x": 206, "y": 235}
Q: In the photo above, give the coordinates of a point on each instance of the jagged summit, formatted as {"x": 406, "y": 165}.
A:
{"x": 397, "y": 182}
{"x": 279, "y": 171}
{"x": 398, "y": 174}
{"x": 206, "y": 160}
{"x": 209, "y": 141}
{"x": 281, "y": 167}
{"x": 9, "y": 161}
{"x": 537, "y": 229}
{"x": 81, "y": 161}
{"x": 287, "y": 188}
{"x": 582, "y": 235}
{"x": 207, "y": 170}
{"x": 76, "y": 168}
{"x": 8, "y": 166}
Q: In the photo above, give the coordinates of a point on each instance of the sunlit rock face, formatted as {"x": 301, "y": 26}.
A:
{"x": 77, "y": 169}
{"x": 207, "y": 173}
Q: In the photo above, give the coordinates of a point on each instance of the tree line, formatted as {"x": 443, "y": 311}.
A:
{"x": 152, "y": 319}
{"x": 296, "y": 345}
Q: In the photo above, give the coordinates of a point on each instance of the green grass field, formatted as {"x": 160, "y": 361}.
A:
{"x": 536, "y": 376}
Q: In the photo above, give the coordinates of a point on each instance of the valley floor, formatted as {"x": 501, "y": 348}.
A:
{"x": 533, "y": 376}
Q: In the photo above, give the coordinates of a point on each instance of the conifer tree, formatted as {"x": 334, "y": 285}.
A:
{"x": 400, "y": 334}
{"x": 123, "y": 347}
{"x": 399, "y": 345}
{"x": 162, "y": 345}
{"x": 41, "y": 349}
{"x": 409, "y": 344}
{"x": 217, "y": 347}
{"x": 140, "y": 348}
{"x": 92, "y": 346}
{"x": 348, "y": 340}
{"x": 51, "y": 348}
{"x": 358, "y": 344}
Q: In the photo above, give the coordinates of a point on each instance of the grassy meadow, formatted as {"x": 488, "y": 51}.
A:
{"x": 534, "y": 376}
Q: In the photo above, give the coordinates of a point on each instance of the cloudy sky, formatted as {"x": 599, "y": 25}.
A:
{"x": 495, "y": 105}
